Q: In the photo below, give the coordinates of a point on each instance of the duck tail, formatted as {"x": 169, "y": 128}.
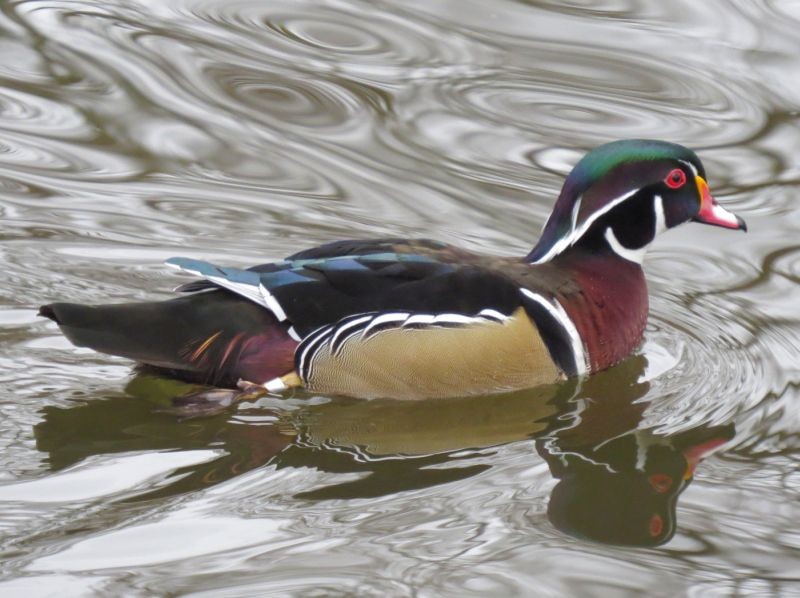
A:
{"x": 211, "y": 337}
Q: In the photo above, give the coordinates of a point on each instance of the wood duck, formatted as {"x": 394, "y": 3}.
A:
{"x": 625, "y": 490}
{"x": 417, "y": 318}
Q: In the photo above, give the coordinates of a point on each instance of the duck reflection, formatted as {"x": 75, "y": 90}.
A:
{"x": 617, "y": 483}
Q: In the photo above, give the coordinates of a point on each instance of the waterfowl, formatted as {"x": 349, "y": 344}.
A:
{"x": 408, "y": 319}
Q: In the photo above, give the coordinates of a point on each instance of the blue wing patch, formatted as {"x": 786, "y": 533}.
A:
{"x": 319, "y": 290}
{"x": 242, "y": 282}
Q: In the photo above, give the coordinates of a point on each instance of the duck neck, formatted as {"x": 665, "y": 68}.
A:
{"x": 608, "y": 302}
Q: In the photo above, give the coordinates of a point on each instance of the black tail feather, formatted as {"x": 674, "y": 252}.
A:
{"x": 47, "y": 311}
{"x": 165, "y": 334}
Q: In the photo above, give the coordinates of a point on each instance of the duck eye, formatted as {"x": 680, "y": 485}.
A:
{"x": 660, "y": 482}
{"x": 675, "y": 179}
{"x": 656, "y": 526}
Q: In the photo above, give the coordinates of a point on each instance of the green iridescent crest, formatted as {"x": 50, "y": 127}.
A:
{"x": 603, "y": 178}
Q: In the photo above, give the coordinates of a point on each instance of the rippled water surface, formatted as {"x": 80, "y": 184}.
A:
{"x": 241, "y": 131}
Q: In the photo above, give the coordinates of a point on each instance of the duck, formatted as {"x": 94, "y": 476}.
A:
{"x": 417, "y": 318}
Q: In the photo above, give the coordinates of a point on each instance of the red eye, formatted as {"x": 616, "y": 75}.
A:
{"x": 656, "y": 526}
{"x": 675, "y": 179}
{"x": 660, "y": 482}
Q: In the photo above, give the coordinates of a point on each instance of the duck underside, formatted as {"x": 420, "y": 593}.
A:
{"x": 184, "y": 337}
{"x": 479, "y": 357}
{"x": 217, "y": 338}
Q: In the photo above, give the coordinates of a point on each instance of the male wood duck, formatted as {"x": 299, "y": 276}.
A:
{"x": 418, "y": 318}
{"x": 625, "y": 490}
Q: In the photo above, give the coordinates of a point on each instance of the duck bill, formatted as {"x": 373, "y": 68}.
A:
{"x": 713, "y": 213}
{"x": 695, "y": 453}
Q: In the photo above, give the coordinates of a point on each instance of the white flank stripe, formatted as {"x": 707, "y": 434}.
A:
{"x": 346, "y": 338}
{"x": 491, "y": 313}
{"x": 632, "y": 255}
{"x": 661, "y": 219}
{"x": 419, "y": 319}
{"x": 293, "y": 334}
{"x": 452, "y": 319}
{"x": 344, "y": 328}
{"x": 556, "y": 310}
{"x": 383, "y": 319}
{"x": 318, "y": 335}
{"x": 575, "y": 235}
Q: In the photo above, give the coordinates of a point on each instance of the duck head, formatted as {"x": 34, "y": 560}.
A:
{"x": 621, "y": 195}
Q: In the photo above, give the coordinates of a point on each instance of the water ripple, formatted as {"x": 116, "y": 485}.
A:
{"x": 240, "y": 130}
{"x": 350, "y": 37}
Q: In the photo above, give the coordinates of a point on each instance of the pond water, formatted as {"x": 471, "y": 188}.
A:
{"x": 241, "y": 131}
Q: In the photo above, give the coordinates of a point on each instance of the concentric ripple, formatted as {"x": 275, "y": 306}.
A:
{"x": 243, "y": 130}
{"x": 352, "y": 36}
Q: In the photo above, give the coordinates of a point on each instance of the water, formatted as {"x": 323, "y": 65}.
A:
{"x": 132, "y": 131}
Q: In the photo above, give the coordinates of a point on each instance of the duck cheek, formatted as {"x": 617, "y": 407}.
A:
{"x": 679, "y": 209}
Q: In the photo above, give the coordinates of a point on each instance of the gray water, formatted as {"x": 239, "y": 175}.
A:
{"x": 241, "y": 131}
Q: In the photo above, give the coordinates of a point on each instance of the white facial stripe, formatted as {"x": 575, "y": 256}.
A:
{"x": 607, "y": 208}
{"x": 575, "y": 235}
{"x": 575, "y": 210}
{"x": 661, "y": 219}
{"x": 691, "y": 166}
{"x": 632, "y": 255}
{"x": 561, "y": 243}
{"x": 557, "y": 311}
{"x": 557, "y": 248}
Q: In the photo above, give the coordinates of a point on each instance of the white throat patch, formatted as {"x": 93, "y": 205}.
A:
{"x": 637, "y": 255}
{"x": 632, "y": 255}
{"x": 661, "y": 219}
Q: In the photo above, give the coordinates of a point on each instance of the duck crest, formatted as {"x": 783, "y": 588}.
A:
{"x": 603, "y": 179}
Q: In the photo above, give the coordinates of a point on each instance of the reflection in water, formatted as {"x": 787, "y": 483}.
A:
{"x": 624, "y": 490}
{"x": 242, "y": 130}
{"x": 617, "y": 483}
